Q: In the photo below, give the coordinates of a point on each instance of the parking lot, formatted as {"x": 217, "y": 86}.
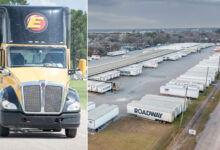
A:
{"x": 149, "y": 82}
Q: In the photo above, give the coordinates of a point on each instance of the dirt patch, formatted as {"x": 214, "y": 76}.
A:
{"x": 130, "y": 133}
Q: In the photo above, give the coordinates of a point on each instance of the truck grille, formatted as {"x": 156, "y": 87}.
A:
{"x": 53, "y": 96}
{"x": 42, "y": 99}
{"x": 32, "y": 98}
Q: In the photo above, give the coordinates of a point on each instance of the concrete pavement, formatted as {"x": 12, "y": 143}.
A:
{"x": 37, "y": 140}
{"x": 209, "y": 139}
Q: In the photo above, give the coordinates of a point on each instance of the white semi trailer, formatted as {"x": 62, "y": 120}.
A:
{"x": 132, "y": 70}
{"x": 91, "y": 105}
{"x": 200, "y": 74}
{"x": 179, "y": 91}
{"x": 101, "y": 115}
{"x": 106, "y": 76}
{"x": 98, "y": 86}
{"x": 149, "y": 112}
{"x": 186, "y": 83}
{"x": 206, "y": 84}
{"x": 177, "y": 100}
{"x": 163, "y": 104}
{"x": 209, "y": 80}
{"x": 149, "y": 64}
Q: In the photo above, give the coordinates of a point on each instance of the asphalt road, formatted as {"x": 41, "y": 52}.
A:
{"x": 36, "y": 140}
{"x": 114, "y": 63}
{"x": 149, "y": 82}
{"x": 210, "y": 137}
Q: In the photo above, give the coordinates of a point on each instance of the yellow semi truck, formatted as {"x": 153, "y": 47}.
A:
{"x": 35, "y": 70}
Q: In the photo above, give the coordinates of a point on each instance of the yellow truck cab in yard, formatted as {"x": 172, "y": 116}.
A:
{"x": 35, "y": 70}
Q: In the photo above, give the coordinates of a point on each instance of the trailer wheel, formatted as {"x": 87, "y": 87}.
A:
{"x": 71, "y": 133}
{"x": 4, "y": 132}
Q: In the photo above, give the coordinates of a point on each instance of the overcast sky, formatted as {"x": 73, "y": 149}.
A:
{"x": 127, "y": 14}
{"x": 73, "y": 4}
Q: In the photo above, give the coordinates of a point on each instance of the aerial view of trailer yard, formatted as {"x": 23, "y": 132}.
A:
{"x": 147, "y": 97}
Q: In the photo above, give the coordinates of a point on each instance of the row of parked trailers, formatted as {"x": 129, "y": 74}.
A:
{"x": 153, "y": 63}
{"x": 153, "y": 107}
{"x": 136, "y": 69}
{"x": 167, "y": 108}
{"x": 159, "y": 107}
{"x": 98, "y": 82}
{"x": 194, "y": 80}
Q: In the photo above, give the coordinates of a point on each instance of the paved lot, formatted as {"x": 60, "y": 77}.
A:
{"x": 210, "y": 137}
{"x": 149, "y": 82}
{"x": 47, "y": 140}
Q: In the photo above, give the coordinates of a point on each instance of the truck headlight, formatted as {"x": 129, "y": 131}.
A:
{"x": 8, "y": 105}
{"x": 72, "y": 103}
{"x": 74, "y": 106}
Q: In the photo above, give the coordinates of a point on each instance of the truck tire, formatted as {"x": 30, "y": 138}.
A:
{"x": 70, "y": 133}
{"x": 4, "y": 132}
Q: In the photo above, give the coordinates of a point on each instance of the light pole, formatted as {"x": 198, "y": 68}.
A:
{"x": 218, "y": 66}
{"x": 184, "y": 105}
{"x": 207, "y": 73}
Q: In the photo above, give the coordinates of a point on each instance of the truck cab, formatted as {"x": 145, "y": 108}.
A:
{"x": 35, "y": 70}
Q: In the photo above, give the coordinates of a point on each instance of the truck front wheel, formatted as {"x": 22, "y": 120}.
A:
{"x": 4, "y": 131}
{"x": 71, "y": 133}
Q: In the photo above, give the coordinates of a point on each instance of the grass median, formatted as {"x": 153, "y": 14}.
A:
{"x": 81, "y": 87}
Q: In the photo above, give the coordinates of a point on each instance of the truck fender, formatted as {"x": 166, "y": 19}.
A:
{"x": 10, "y": 95}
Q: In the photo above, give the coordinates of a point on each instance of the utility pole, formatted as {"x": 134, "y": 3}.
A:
{"x": 218, "y": 66}
{"x": 207, "y": 73}
{"x": 184, "y": 105}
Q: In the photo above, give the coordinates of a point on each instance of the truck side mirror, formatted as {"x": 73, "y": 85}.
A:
{"x": 71, "y": 72}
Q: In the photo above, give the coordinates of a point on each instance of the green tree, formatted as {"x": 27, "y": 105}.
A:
{"x": 78, "y": 36}
{"x": 218, "y": 31}
{"x": 14, "y": 2}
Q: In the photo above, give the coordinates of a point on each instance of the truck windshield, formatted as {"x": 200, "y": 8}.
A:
{"x": 36, "y": 57}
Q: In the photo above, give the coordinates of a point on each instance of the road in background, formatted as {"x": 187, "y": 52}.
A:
{"x": 210, "y": 137}
{"x": 48, "y": 140}
{"x": 149, "y": 82}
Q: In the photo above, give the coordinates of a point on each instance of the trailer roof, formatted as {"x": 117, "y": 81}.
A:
{"x": 101, "y": 110}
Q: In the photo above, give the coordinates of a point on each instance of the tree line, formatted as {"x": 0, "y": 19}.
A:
{"x": 101, "y": 43}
